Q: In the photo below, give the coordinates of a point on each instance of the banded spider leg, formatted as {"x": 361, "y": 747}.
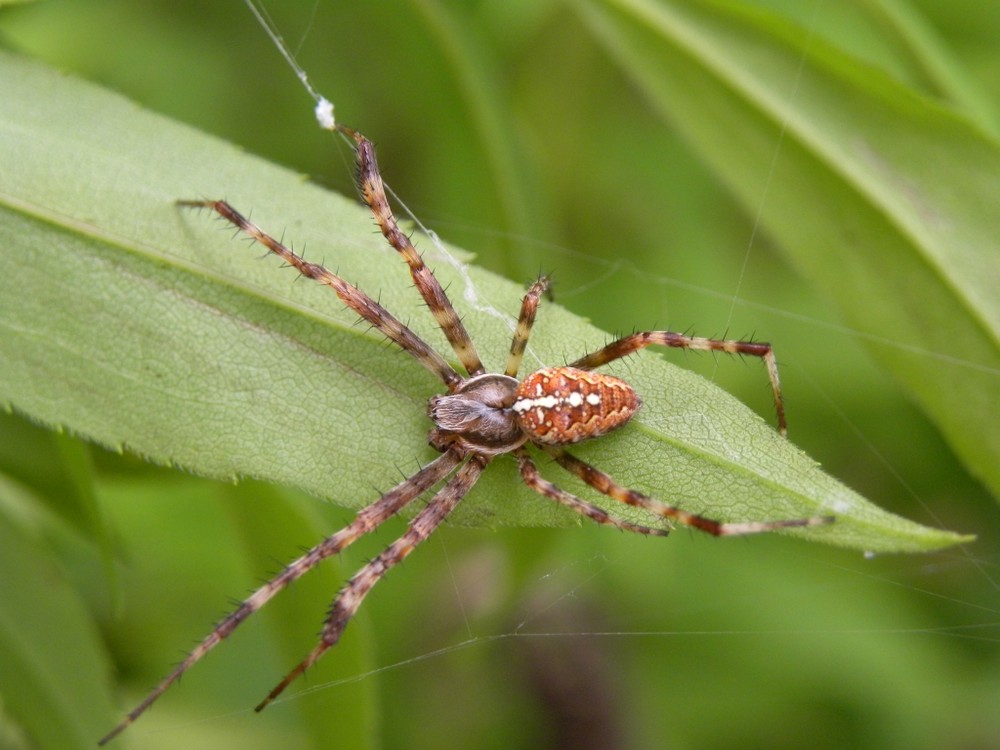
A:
{"x": 482, "y": 415}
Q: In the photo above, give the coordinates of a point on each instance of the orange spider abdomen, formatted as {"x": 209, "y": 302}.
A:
{"x": 559, "y": 405}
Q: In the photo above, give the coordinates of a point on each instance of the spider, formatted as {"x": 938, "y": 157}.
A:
{"x": 481, "y": 416}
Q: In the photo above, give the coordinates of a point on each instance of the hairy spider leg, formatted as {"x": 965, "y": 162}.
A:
{"x": 367, "y": 520}
{"x": 636, "y": 341}
{"x": 373, "y": 193}
{"x": 529, "y": 306}
{"x": 350, "y": 597}
{"x": 353, "y": 297}
{"x": 604, "y": 484}
{"x": 354, "y": 591}
{"x": 534, "y": 480}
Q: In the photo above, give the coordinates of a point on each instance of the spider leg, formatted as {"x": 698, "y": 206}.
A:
{"x": 529, "y": 306}
{"x": 353, "y": 297}
{"x": 354, "y": 591}
{"x": 367, "y": 520}
{"x": 373, "y": 193}
{"x": 605, "y": 484}
{"x": 529, "y": 472}
{"x": 629, "y": 344}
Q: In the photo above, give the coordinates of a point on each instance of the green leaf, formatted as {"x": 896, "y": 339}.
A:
{"x": 140, "y": 326}
{"x": 855, "y": 194}
{"x": 52, "y": 672}
{"x": 930, "y": 61}
{"x": 56, "y": 467}
{"x": 262, "y": 513}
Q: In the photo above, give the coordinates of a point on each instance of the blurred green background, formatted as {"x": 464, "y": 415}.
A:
{"x": 509, "y": 130}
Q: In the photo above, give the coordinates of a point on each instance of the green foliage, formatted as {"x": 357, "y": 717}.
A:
{"x": 51, "y": 658}
{"x": 516, "y": 131}
{"x": 908, "y": 257}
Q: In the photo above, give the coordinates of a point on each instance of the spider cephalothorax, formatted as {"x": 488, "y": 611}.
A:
{"x": 478, "y": 417}
{"x": 481, "y": 416}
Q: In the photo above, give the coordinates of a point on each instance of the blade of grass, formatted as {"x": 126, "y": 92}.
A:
{"x": 884, "y": 199}
{"x": 929, "y": 56}
{"x": 53, "y": 668}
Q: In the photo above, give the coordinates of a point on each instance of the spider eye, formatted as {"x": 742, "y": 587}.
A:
{"x": 560, "y": 405}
